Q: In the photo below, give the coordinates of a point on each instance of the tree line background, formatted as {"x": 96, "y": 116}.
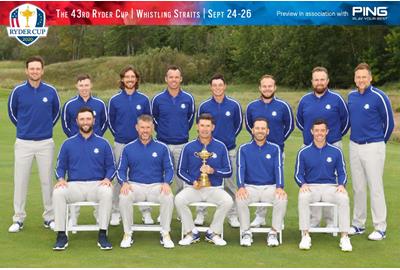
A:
{"x": 242, "y": 53}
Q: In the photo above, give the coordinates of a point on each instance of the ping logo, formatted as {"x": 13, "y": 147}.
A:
{"x": 27, "y": 24}
{"x": 370, "y": 11}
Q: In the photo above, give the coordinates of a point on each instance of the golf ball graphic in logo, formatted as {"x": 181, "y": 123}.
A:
{"x": 328, "y": 106}
{"x": 183, "y": 106}
{"x": 274, "y": 113}
{"x": 45, "y": 99}
{"x": 329, "y": 159}
{"x": 138, "y": 107}
{"x": 366, "y": 106}
{"x": 96, "y": 151}
{"x": 154, "y": 154}
{"x": 228, "y": 113}
{"x": 268, "y": 156}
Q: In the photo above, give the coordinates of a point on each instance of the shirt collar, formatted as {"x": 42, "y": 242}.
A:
{"x": 83, "y": 138}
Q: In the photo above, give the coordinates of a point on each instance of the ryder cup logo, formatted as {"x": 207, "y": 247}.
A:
{"x": 45, "y": 99}
{"x": 366, "y": 106}
{"x": 328, "y": 106}
{"x": 329, "y": 159}
{"x": 27, "y": 23}
{"x": 96, "y": 151}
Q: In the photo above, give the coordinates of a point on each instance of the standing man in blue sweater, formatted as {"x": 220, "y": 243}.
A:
{"x": 88, "y": 161}
{"x": 34, "y": 108}
{"x": 280, "y": 120}
{"x": 173, "y": 111}
{"x": 123, "y": 110}
{"x": 372, "y": 123}
{"x": 321, "y": 175}
{"x": 260, "y": 179}
{"x": 145, "y": 173}
{"x": 227, "y": 114}
{"x": 322, "y": 103}
{"x": 190, "y": 168}
{"x": 84, "y": 99}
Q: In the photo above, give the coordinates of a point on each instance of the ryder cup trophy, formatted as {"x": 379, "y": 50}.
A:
{"x": 203, "y": 180}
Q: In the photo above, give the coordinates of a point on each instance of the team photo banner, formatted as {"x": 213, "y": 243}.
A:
{"x": 39, "y": 14}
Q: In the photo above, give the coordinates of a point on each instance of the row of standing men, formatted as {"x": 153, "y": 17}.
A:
{"x": 34, "y": 108}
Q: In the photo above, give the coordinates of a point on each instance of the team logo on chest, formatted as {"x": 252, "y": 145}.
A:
{"x": 329, "y": 159}
{"x": 328, "y": 106}
{"x": 366, "y": 106}
{"x": 96, "y": 150}
{"x": 45, "y": 99}
{"x": 274, "y": 113}
{"x": 268, "y": 156}
{"x": 228, "y": 113}
{"x": 214, "y": 155}
{"x": 154, "y": 155}
{"x": 138, "y": 107}
{"x": 183, "y": 106}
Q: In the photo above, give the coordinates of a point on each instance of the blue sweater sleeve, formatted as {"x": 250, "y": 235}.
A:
{"x": 279, "y": 169}
{"x": 249, "y": 120}
{"x": 103, "y": 120}
{"x": 147, "y": 107}
{"x": 13, "y": 107}
{"x": 341, "y": 169}
{"x": 109, "y": 162}
{"x": 299, "y": 116}
{"x": 122, "y": 172}
{"x": 299, "y": 170}
{"x": 111, "y": 116}
{"x": 56, "y": 107}
{"x": 168, "y": 166}
{"x": 225, "y": 170}
{"x": 289, "y": 123}
{"x": 344, "y": 116}
{"x": 183, "y": 167}
{"x": 238, "y": 120}
{"x": 66, "y": 121}
{"x": 386, "y": 113}
{"x": 155, "y": 111}
{"x": 191, "y": 113}
{"x": 62, "y": 162}
{"x": 240, "y": 168}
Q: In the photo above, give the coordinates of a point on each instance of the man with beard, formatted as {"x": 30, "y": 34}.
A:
{"x": 123, "y": 110}
{"x": 190, "y": 168}
{"x": 322, "y": 103}
{"x": 145, "y": 173}
{"x": 88, "y": 161}
{"x": 280, "y": 120}
{"x": 260, "y": 179}
{"x": 34, "y": 108}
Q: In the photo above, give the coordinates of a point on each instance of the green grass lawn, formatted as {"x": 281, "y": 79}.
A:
{"x": 33, "y": 246}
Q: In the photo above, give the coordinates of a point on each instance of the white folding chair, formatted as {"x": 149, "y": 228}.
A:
{"x": 74, "y": 228}
{"x": 144, "y": 227}
{"x": 333, "y": 230}
{"x": 263, "y": 229}
{"x": 202, "y": 228}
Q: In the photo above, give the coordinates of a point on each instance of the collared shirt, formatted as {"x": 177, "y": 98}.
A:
{"x": 83, "y": 159}
{"x": 34, "y": 111}
{"x": 279, "y": 116}
{"x": 324, "y": 165}
{"x": 173, "y": 116}
{"x": 71, "y": 109}
{"x": 331, "y": 107}
{"x": 259, "y": 165}
{"x": 145, "y": 163}
{"x": 123, "y": 111}
{"x": 228, "y": 119}
{"x": 189, "y": 164}
{"x": 371, "y": 116}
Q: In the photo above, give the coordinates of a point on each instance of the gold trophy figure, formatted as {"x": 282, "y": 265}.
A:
{"x": 27, "y": 14}
{"x": 204, "y": 180}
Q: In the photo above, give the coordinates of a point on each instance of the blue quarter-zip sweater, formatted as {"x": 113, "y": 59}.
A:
{"x": 85, "y": 159}
{"x": 71, "y": 109}
{"x": 146, "y": 164}
{"x": 123, "y": 111}
{"x": 189, "y": 164}
{"x": 320, "y": 165}
{"x": 371, "y": 116}
{"x": 34, "y": 111}
{"x": 259, "y": 165}
{"x": 279, "y": 116}
{"x": 173, "y": 116}
{"x": 331, "y": 107}
{"x": 228, "y": 119}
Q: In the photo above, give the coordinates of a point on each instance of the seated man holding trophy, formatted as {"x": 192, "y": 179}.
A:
{"x": 203, "y": 164}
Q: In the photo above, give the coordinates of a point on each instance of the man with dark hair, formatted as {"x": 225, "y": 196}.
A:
{"x": 260, "y": 179}
{"x": 321, "y": 175}
{"x": 145, "y": 173}
{"x": 280, "y": 120}
{"x": 190, "y": 168}
{"x": 88, "y": 161}
{"x": 173, "y": 111}
{"x": 322, "y": 103}
{"x": 123, "y": 110}
{"x": 372, "y": 123}
{"x": 227, "y": 113}
{"x": 34, "y": 108}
